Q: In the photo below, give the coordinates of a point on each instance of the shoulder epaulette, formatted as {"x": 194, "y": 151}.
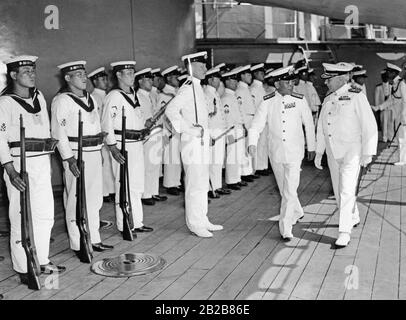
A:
{"x": 354, "y": 89}
{"x": 269, "y": 96}
{"x": 297, "y": 95}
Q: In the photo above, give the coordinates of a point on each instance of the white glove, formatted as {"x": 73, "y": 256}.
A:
{"x": 365, "y": 160}
{"x": 317, "y": 161}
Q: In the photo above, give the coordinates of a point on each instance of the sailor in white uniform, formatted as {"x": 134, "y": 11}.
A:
{"x": 122, "y": 96}
{"x": 21, "y": 98}
{"x": 348, "y": 133}
{"x": 286, "y": 112}
{"x": 71, "y": 99}
{"x": 188, "y": 114}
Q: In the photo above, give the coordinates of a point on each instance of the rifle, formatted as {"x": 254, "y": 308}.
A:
{"x": 213, "y": 141}
{"x": 152, "y": 121}
{"x": 394, "y": 136}
{"x": 125, "y": 200}
{"x": 85, "y": 252}
{"x": 240, "y": 138}
{"x": 27, "y": 232}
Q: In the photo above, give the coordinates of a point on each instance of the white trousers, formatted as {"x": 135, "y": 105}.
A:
{"x": 344, "y": 177}
{"x": 216, "y": 163}
{"x": 172, "y": 163}
{"x": 152, "y": 164}
{"x": 195, "y": 158}
{"x": 42, "y": 210}
{"x": 402, "y": 143}
{"x": 94, "y": 198}
{"x": 234, "y": 158}
{"x": 136, "y": 181}
{"x": 108, "y": 178}
{"x": 288, "y": 178}
{"x": 387, "y": 124}
{"x": 261, "y": 162}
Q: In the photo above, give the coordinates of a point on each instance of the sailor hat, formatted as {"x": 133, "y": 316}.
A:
{"x": 258, "y": 67}
{"x": 72, "y": 66}
{"x": 121, "y": 65}
{"x": 213, "y": 72}
{"x": 360, "y": 73}
{"x": 183, "y": 78}
{"x": 195, "y": 57}
{"x": 144, "y": 73}
{"x": 156, "y": 72}
{"x": 268, "y": 73}
{"x": 383, "y": 71}
{"x": 285, "y": 73}
{"x": 20, "y": 61}
{"x": 393, "y": 67}
{"x": 244, "y": 69}
{"x": 338, "y": 69}
{"x": 233, "y": 74}
{"x": 301, "y": 69}
{"x": 310, "y": 71}
{"x": 99, "y": 72}
{"x": 221, "y": 66}
{"x": 171, "y": 71}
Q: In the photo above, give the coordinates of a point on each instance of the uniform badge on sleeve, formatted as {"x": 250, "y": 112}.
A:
{"x": 239, "y": 99}
{"x": 226, "y": 110}
{"x": 63, "y": 122}
{"x": 3, "y": 127}
{"x": 114, "y": 111}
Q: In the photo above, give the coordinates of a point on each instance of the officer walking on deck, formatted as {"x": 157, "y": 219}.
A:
{"x": 347, "y": 131}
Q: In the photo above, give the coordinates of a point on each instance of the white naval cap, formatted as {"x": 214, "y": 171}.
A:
{"x": 213, "y": 72}
{"x": 156, "y": 71}
{"x": 391, "y": 66}
{"x": 99, "y": 72}
{"x": 221, "y": 66}
{"x": 285, "y": 73}
{"x": 268, "y": 73}
{"x": 171, "y": 71}
{"x": 310, "y": 71}
{"x": 20, "y": 61}
{"x": 72, "y": 66}
{"x": 195, "y": 57}
{"x": 258, "y": 67}
{"x": 144, "y": 73}
{"x": 359, "y": 73}
{"x": 183, "y": 78}
{"x": 332, "y": 70}
{"x": 120, "y": 65}
{"x": 383, "y": 71}
{"x": 244, "y": 69}
{"x": 301, "y": 69}
{"x": 233, "y": 74}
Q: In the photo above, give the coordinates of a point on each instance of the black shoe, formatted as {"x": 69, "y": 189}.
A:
{"x": 247, "y": 178}
{"x": 213, "y": 195}
{"x": 254, "y": 176}
{"x": 132, "y": 231}
{"x": 143, "y": 229}
{"x": 159, "y": 198}
{"x": 173, "y": 191}
{"x": 242, "y": 184}
{"x": 234, "y": 186}
{"x": 100, "y": 247}
{"x": 223, "y": 191}
{"x": 181, "y": 188}
{"x": 148, "y": 201}
{"x": 50, "y": 268}
{"x": 107, "y": 199}
{"x": 263, "y": 172}
{"x": 23, "y": 278}
{"x": 105, "y": 224}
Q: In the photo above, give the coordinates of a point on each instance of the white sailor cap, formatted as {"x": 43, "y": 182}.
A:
{"x": 121, "y": 65}
{"x": 258, "y": 67}
{"x": 99, "y": 72}
{"x": 171, "y": 71}
{"x": 195, "y": 57}
{"x": 182, "y": 71}
{"x": 393, "y": 67}
{"x": 20, "y": 61}
{"x": 310, "y": 71}
{"x": 360, "y": 73}
{"x": 156, "y": 72}
{"x": 72, "y": 66}
{"x": 233, "y": 74}
{"x": 144, "y": 73}
{"x": 333, "y": 70}
{"x": 183, "y": 78}
{"x": 383, "y": 71}
{"x": 221, "y": 66}
{"x": 244, "y": 69}
{"x": 213, "y": 72}
{"x": 285, "y": 73}
{"x": 301, "y": 69}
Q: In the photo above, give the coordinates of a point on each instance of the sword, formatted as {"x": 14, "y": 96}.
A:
{"x": 394, "y": 136}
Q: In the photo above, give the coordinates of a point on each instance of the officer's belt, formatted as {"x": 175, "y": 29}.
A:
{"x": 90, "y": 141}
{"x": 36, "y": 144}
{"x": 130, "y": 134}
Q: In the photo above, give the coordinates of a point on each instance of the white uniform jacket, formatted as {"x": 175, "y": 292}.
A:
{"x": 246, "y": 100}
{"x": 285, "y": 116}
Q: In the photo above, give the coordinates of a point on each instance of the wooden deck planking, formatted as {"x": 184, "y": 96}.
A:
{"x": 402, "y": 263}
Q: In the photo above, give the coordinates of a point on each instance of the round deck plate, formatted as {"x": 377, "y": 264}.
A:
{"x": 128, "y": 265}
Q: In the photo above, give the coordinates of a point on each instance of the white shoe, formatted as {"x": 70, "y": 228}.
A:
{"x": 214, "y": 227}
{"x": 343, "y": 239}
{"x": 203, "y": 233}
{"x": 399, "y": 163}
